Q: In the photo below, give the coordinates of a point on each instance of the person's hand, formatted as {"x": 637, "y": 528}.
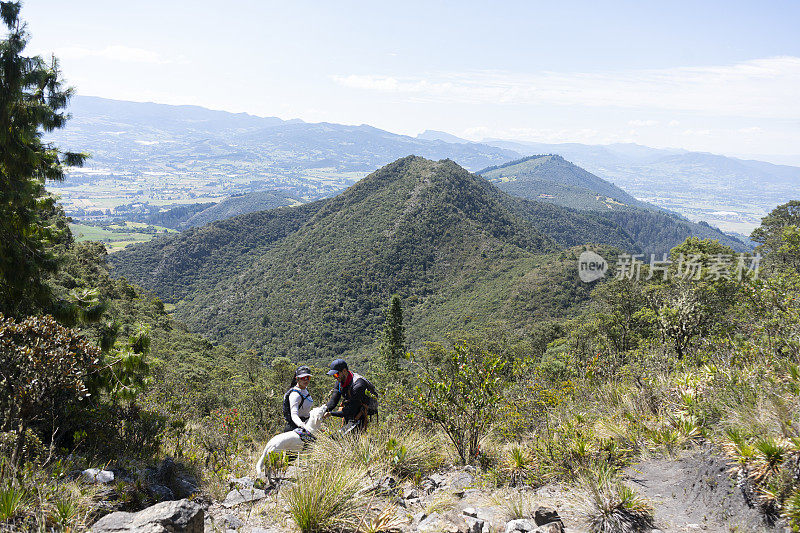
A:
{"x": 326, "y": 415}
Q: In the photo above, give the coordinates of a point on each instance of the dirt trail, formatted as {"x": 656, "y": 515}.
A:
{"x": 695, "y": 493}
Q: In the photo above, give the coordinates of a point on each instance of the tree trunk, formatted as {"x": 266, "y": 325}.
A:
{"x": 20, "y": 442}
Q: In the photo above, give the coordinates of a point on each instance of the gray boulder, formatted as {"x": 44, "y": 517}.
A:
{"x": 241, "y": 483}
{"x": 474, "y": 525}
{"x": 231, "y": 521}
{"x": 437, "y": 523}
{"x": 459, "y": 481}
{"x": 181, "y": 516}
{"x": 239, "y": 496}
{"x": 95, "y": 475}
{"x": 522, "y": 525}
{"x": 552, "y": 527}
{"x": 184, "y": 487}
{"x": 161, "y": 493}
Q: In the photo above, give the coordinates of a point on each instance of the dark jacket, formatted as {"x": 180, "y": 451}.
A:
{"x": 354, "y": 395}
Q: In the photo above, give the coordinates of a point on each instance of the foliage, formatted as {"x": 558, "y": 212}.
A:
{"x": 31, "y": 101}
{"x": 45, "y": 368}
{"x": 392, "y": 348}
{"x": 770, "y": 234}
{"x": 312, "y": 281}
{"x": 325, "y": 496}
{"x": 614, "y": 507}
{"x": 11, "y": 499}
{"x": 460, "y": 389}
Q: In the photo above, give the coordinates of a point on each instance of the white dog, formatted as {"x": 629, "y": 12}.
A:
{"x": 290, "y": 441}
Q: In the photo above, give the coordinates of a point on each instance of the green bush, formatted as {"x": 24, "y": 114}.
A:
{"x": 45, "y": 371}
{"x": 461, "y": 391}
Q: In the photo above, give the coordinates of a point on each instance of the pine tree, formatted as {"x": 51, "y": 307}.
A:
{"x": 31, "y": 102}
{"x": 393, "y": 345}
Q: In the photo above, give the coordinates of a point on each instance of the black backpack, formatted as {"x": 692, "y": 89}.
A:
{"x": 287, "y": 410}
{"x": 372, "y": 398}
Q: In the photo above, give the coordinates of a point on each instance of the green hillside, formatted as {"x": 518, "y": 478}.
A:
{"x": 312, "y": 281}
{"x": 240, "y": 205}
{"x": 552, "y": 179}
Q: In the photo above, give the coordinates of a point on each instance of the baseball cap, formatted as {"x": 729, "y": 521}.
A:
{"x": 337, "y": 366}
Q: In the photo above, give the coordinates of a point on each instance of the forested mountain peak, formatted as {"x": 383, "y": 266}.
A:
{"x": 316, "y": 277}
{"x": 516, "y": 176}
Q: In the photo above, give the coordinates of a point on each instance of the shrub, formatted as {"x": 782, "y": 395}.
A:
{"x": 45, "y": 368}
{"x": 461, "y": 392}
{"x": 518, "y": 464}
{"x": 409, "y": 452}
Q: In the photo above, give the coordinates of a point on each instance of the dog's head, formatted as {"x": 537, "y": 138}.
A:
{"x": 315, "y": 418}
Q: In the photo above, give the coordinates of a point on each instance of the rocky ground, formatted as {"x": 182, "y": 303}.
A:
{"x": 693, "y": 492}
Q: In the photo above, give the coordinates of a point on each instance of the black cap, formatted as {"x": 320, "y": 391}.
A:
{"x": 302, "y": 372}
{"x": 337, "y": 366}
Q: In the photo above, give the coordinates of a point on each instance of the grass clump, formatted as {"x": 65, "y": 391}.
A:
{"x": 11, "y": 502}
{"x": 441, "y": 503}
{"x": 325, "y": 496}
{"x": 386, "y": 520}
{"x": 518, "y": 465}
{"x": 613, "y": 507}
{"x": 514, "y": 507}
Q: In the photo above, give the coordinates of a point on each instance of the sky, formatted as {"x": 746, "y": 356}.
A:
{"x": 722, "y": 77}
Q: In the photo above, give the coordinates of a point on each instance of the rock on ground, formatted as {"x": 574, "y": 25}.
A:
{"x": 181, "y": 516}
{"x": 239, "y": 496}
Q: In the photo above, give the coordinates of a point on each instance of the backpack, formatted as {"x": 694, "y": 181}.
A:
{"x": 287, "y": 410}
{"x": 372, "y": 398}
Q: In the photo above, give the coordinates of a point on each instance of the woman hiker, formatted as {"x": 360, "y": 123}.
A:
{"x": 297, "y": 401}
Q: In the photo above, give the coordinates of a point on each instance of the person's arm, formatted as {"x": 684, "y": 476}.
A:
{"x": 333, "y": 402}
{"x": 352, "y": 407}
{"x": 294, "y": 406}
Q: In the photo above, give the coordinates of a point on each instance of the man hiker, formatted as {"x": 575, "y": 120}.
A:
{"x": 360, "y": 399}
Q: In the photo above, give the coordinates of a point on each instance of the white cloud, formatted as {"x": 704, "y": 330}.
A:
{"x": 124, "y": 54}
{"x": 756, "y": 88}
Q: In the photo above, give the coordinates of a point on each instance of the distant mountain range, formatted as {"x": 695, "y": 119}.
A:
{"x": 733, "y": 194}
{"x": 312, "y": 281}
{"x": 186, "y": 154}
{"x": 552, "y": 179}
{"x": 174, "y": 155}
